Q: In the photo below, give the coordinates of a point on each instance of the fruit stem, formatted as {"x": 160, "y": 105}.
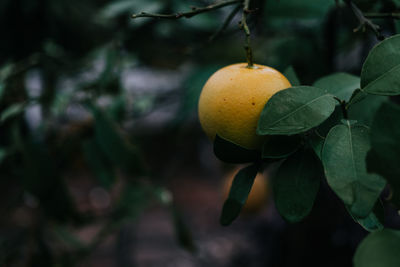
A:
{"x": 245, "y": 27}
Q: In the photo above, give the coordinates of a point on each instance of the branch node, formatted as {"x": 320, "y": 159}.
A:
{"x": 194, "y": 11}
{"x": 364, "y": 21}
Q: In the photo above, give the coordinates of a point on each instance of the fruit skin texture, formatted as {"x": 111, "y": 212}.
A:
{"x": 258, "y": 195}
{"x": 232, "y": 100}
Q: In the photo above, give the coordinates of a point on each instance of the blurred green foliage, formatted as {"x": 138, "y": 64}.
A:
{"x": 79, "y": 53}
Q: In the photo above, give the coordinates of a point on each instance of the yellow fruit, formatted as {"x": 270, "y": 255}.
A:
{"x": 258, "y": 195}
{"x": 232, "y": 99}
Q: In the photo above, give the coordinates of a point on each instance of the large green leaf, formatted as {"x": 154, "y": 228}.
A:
{"x": 374, "y": 220}
{"x": 232, "y": 153}
{"x": 341, "y": 85}
{"x": 296, "y": 185}
{"x": 317, "y": 138}
{"x": 343, "y": 156}
{"x": 238, "y": 193}
{"x": 365, "y": 110}
{"x": 379, "y": 249}
{"x": 280, "y": 146}
{"x": 357, "y": 96}
{"x": 385, "y": 142}
{"x": 295, "y": 110}
{"x": 381, "y": 70}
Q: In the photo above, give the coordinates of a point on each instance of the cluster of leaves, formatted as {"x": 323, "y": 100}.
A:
{"x": 313, "y": 132}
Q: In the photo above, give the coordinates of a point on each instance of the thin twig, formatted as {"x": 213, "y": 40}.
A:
{"x": 364, "y": 22}
{"x": 245, "y": 27}
{"x": 226, "y": 23}
{"x": 382, "y": 15}
{"x": 195, "y": 11}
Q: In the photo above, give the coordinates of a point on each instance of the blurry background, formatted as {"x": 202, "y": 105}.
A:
{"x": 102, "y": 159}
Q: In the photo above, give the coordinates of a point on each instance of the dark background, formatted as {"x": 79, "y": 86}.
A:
{"x": 102, "y": 159}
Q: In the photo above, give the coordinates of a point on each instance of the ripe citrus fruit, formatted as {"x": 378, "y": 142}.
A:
{"x": 232, "y": 99}
{"x": 258, "y": 195}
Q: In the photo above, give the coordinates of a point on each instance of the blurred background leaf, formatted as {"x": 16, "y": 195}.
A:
{"x": 81, "y": 181}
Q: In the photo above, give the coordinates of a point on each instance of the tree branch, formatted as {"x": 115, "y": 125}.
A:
{"x": 364, "y": 22}
{"x": 245, "y": 27}
{"x": 195, "y": 11}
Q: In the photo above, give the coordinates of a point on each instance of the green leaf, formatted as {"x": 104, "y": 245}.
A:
{"x": 380, "y": 248}
{"x": 381, "y": 69}
{"x": 296, "y": 185}
{"x": 232, "y": 153}
{"x": 238, "y": 193}
{"x": 341, "y": 85}
{"x": 343, "y": 157}
{"x": 317, "y": 137}
{"x": 291, "y": 75}
{"x": 365, "y": 110}
{"x": 384, "y": 156}
{"x": 280, "y": 146}
{"x": 357, "y": 96}
{"x": 11, "y": 111}
{"x": 295, "y": 110}
{"x": 116, "y": 146}
{"x": 374, "y": 220}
